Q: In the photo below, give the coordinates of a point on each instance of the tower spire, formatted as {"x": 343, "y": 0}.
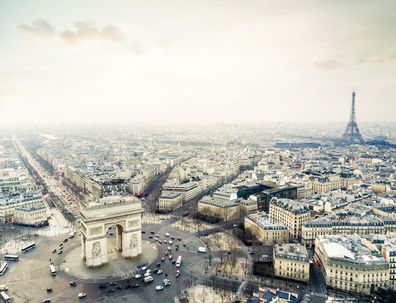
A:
{"x": 352, "y": 134}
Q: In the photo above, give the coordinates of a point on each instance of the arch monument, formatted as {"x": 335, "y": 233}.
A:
{"x": 97, "y": 216}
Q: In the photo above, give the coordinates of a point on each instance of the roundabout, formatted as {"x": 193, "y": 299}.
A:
{"x": 72, "y": 267}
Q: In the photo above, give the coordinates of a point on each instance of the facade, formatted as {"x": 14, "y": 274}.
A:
{"x": 98, "y": 215}
{"x": 350, "y": 265}
{"x": 325, "y": 184}
{"x": 367, "y": 224}
{"x": 389, "y": 253}
{"x": 9, "y": 203}
{"x": 169, "y": 201}
{"x": 267, "y": 233}
{"x": 291, "y": 213}
{"x": 291, "y": 261}
{"x": 35, "y": 215}
{"x": 189, "y": 190}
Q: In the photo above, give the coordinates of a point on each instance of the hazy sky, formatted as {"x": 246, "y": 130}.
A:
{"x": 196, "y": 61}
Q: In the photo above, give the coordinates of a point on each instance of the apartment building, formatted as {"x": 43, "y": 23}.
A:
{"x": 292, "y": 213}
{"x": 266, "y": 232}
{"x": 291, "y": 261}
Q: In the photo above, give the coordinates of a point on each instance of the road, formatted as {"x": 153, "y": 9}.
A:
{"x": 55, "y": 187}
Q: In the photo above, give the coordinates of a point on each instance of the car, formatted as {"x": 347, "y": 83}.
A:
{"x": 170, "y": 257}
{"x": 110, "y": 289}
{"x": 151, "y": 232}
{"x": 102, "y": 286}
{"x": 144, "y": 268}
{"x": 119, "y": 286}
{"x": 179, "y": 239}
{"x": 54, "y": 250}
{"x": 150, "y": 237}
{"x": 158, "y": 264}
{"x": 82, "y": 295}
{"x": 177, "y": 273}
{"x": 234, "y": 225}
{"x": 251, "y": 253}
{"x": 128, "y": 285}
{"x": 166, "y": 282}
{"x": 147, "y": 274}
{"x": 160, "y": 271}
{"x": 155, "y": 270}
{"x": 135, "y": 285}
{"x": 165, "y": 242}
{"x": 148, "y": 271}
{"x": 159, "y": 241}
{"x": 170, "y": 242}
{"x": 137, "y": 276}
{"x": 65, "y": 240}
{"x": 166, "y": 253}
{"x": 162, "y": 259}
{"x": 173, "y": 261}
{"x": 111, "y": 234}
{"x": 46, "y": 301}
{"x": 113, "y": 283}
{"x": 72, "y": 283}
{"x": 159, "y": 287}
{"x": 169, "y": 248}
{"x": 143, "y": 231}
{"x": 166, "y": 234}
{"x": 49, "y": 289}
{"x": 177, "y": 248}
{"x": 173, "y": 238}
{"x": 59, "y": 252}
{"x": 184, "y": 244}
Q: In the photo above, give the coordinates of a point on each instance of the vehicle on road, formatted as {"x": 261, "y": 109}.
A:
{"x": 166, "y": 234}
{"x": 179, "y": 260}
{"x": 135, "y": 285}
{"x": 166, "y": 282}
{"x": 162, "y": 259}
{"x": 202, "y": 249}
{"x": 148, "y": 279}
{"x": 49, "y": 289}
{"x": 44, "y": 301}
{"x": 160, "y": 272}
{"x": 28, "y": 247}
{"x": 72, "y": 283}
{"x": 82, "y": 295}
{"x": 11, "y": 257}
{"x": 138, "y": 276}
{"x": 159, "y": 287}
{"x": 3, "y": 288}
{"x": 177, "y": 273}
{"x": 52, "y": 270}
{"x": 144, "y": 268}
{"x": 110, "y": 289}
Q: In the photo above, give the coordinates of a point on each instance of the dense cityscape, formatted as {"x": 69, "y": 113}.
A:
{"x": 204, "y": 151}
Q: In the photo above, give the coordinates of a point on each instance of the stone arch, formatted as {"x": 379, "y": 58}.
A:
{"x": 126, "y": 217}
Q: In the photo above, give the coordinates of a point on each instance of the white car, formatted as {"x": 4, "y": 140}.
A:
{"x": 138, "y": 276}
{"x": 159, "y": 287}
{"x": 144, "y": 268}
{"x": 169, "y": 248}
{"x": 160, "y": 272}
{"x": 170, "y": 242}
{"x": 166, "y": 282}
{"x": 82, "y": 295}
{"x": 167, "y": 234}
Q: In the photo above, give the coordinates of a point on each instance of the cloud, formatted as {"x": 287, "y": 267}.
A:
{"x": 328, "y": 64}
{"x": 86, "y": 31}
{"x": 37, "y": 28}
{"x": 389, "y": 57}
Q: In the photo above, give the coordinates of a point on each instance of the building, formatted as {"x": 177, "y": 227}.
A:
{"x": 350, "y": 265}
{"x": 225, "y": 209}
{"x": 272, "y": 295}
{"x": 35, "y": 215}
{"x": 189, "y": 190}
{"x": 169, "y": 200}
{"x": 267, "y": 233}
{"x": 291, "y": 213}
{"x": 291, "y": 261}
{"x": 326, "y": 183}
{"x": 389, "y": 253}
{"x": 10, "y": 202}
{"x": 264, "y": 197}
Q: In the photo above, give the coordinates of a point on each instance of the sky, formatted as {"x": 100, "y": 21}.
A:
{"x": 201, "y": 61}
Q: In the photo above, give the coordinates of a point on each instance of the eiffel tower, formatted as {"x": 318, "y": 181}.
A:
{"x": 352, "y": 134}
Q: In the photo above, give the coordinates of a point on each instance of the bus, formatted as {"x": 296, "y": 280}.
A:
{"x": 11, "y": 257}
{"x": 4, "y": 297}
{"x": 28, "y": 247}
{"x": 52, "y": 269}
{"x": 3, "y": 268}
{"x": 178, "y": 261}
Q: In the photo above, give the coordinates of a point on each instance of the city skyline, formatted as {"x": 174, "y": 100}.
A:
{"x": 196, "y": 62}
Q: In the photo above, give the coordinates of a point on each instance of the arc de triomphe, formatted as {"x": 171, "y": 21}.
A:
{"x": 97, "y": 216}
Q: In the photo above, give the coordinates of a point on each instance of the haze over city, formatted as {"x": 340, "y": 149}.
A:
{"x": 196, "y": 61}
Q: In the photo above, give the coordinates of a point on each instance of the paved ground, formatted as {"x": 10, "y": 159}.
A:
{"x": 29, "y": 278}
